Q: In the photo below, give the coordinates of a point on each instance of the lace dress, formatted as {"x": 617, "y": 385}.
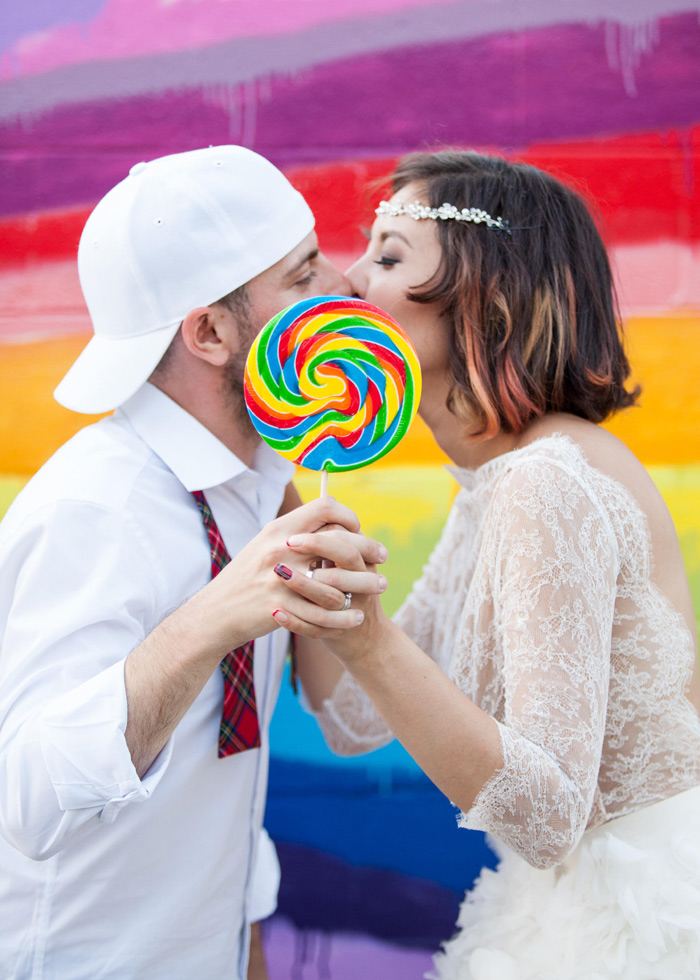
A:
{"x": 540, "y": 603}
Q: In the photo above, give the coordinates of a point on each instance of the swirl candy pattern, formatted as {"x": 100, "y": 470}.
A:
{"x": 332, "y": 383}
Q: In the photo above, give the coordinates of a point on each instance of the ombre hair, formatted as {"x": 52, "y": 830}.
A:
{"x": 532, "y": 311}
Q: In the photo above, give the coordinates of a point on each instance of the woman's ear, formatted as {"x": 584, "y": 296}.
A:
{"x": 206, "y": 334}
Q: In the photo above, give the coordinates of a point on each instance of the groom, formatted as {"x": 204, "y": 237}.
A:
{"x": 128, "y": 844}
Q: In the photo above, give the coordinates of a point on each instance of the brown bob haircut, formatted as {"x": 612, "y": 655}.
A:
{"x": 532, "y": 309}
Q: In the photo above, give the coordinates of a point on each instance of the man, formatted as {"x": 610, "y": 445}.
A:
{"x": 127, "y": 846}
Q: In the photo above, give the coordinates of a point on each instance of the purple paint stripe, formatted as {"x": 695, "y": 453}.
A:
{"x": 315, "y": 954}
{"x": 156, "y": 50}
{"x": 300, "y": 34}
{"x": 23, "y": 19}
{"x": 507, "y": 91}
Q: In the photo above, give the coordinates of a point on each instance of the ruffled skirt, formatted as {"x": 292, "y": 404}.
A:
{"x": 624, "y": 906}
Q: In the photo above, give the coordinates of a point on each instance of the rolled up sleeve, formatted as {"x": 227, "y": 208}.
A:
{"x": 80, "y": 602}
{"x": 81, "y": 735}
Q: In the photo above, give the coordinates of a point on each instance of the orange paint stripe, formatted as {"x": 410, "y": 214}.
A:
{"x": 665, "y": 356}
{"x": 665, "y": 429}
{"x": 32, "y": 424}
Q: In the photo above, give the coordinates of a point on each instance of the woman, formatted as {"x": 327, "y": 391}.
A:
{"x": 544, "y": 670}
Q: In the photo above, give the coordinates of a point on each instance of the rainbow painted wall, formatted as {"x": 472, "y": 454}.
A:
{"x": 603, "y": 93}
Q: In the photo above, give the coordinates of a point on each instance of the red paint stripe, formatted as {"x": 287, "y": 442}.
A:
{"x": 646, "y": 187}
{"x": 53, "y": 235}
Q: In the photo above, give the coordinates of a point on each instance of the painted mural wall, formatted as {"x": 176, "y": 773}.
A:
{"x": 603, "y": 93}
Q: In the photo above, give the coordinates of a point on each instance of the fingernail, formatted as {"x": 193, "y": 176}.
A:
{"x": 359, "y": 616}
{"x": 283, "y": 572}
{"x": 383, "y": 553}
{"x": 382, "y": 583}
{"x": 280, "y": 616}
{"x": 294, "y": 540}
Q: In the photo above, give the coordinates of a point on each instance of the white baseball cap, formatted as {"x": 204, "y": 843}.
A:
{"x": 179, "y": 232}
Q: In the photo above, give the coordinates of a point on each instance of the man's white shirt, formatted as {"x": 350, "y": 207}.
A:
{"x": 103, "y": 874}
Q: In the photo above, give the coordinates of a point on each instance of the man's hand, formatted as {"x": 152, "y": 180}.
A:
{"x": 244, "y": 601}
{"x": 247, "y": 599}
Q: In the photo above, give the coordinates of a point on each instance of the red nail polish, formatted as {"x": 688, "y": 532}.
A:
{"x": 283, "y": 572}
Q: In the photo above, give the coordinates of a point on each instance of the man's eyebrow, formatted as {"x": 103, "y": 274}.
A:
{"x": 394, "y": 234}
{"x": 309, "y": 257}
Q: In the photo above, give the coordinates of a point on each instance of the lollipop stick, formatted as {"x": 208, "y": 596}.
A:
{"x": 324, "y": 483}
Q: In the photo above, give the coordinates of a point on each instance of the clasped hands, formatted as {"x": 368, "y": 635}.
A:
{"x": 330, "y": 572}
{"x": 265, "y": 585}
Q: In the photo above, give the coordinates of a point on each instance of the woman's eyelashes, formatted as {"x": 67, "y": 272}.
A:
{"x": 386, "y": 260}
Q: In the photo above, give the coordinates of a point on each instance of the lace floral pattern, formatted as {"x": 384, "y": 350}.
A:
{"x": 349, "y": 721}
{"x": 540, "y": 602}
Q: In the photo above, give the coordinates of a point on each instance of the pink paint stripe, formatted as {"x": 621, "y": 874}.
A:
{"x": 42, "y": 301}
{"x": 128, "y": 28}
{"x": 45, "y": 300}
{"x": 132, "y": 28}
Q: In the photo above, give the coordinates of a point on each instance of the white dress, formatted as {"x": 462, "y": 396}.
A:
{"x": 540, "y": 603}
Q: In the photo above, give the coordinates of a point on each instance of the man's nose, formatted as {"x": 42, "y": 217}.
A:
{"x": 335, "y": 283}
{"x": 344, "y": 287}
{"x": 356, "y": 280}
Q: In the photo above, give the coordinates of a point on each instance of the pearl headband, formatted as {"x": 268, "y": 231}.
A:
{"x": 444, "y": 212}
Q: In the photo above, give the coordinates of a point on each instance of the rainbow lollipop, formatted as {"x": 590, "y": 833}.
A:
{"x": 332, "y": 383}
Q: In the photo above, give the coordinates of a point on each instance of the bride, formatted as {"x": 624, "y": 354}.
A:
{"x": 544, "y": 670}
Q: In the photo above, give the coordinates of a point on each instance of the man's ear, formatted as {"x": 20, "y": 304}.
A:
{"x": 206, "y": 334}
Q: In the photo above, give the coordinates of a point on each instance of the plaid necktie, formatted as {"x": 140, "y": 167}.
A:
{"x": 239, "y": 728}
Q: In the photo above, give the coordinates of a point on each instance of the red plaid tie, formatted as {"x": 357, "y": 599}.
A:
{"x": 239, "y": 728}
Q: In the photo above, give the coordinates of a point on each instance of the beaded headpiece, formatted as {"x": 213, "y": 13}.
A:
{"x": 444, "y": 212}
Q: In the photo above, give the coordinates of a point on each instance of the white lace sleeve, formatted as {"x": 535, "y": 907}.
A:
{"x": 349, "y": 721}
{"x": 553, "y": 565}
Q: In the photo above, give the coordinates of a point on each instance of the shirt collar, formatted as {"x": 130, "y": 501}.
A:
{"x": 197, "y": 458}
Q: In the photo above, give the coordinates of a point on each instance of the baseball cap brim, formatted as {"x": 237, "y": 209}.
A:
{"x": 110, "y": 370}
